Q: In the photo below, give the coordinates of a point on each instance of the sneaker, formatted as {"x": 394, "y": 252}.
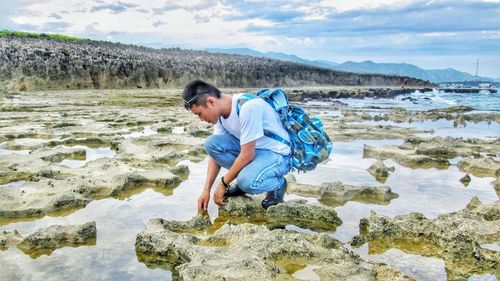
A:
{"x": 274, "y": 197}
{"x": 233, "y": 191}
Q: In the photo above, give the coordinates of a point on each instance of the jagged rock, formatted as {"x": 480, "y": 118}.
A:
{"x": 199, "y": 223}
{"x": 248, "y": 252}
{"x": 59, "y": 153}
{"x": 242, "y": 209}
{"x": 241, "y": 206}
{"x": 46, "y": 240}
{"x": 199, "y": 131}
{"x": 496, "y": 184}
{"x": 299, "y": 213}
{"x": 405, "y": 157}
{"x": 337, "y": 194}
{"x": 106, "y": 65}
{"x": 157, "y": 178}
{"x": 380, "y": 171}
{"x": 48, "y": 173}
{"x": 458, "y": 115}
{"x": 454, "y": 237}
{"x": 465, "y": 180}
{"x": 431, "y": 153}
{"x": 385, "y": 272}
{"x": 31, "y": 205}
{"x": 8, "y": 175}
{"x": 181, "y": 171}
{"x": 9, "y": 238}
{"x": 481, "y": 167}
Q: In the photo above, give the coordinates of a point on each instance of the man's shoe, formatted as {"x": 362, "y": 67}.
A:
{"x": 274, "y": 197}
{"x": 234, "y": 191}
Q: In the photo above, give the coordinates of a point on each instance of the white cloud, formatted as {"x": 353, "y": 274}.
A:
{"x": 317, "y": 29}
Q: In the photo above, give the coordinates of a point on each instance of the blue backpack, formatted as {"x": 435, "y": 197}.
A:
{"x": 309, "y": 143}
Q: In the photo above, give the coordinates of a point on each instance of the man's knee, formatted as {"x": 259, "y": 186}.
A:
{"x": 246, "y": 182}
{"x": 212, "y": 144}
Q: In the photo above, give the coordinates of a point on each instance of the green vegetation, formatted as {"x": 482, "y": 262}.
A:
{"x": 60, "y": 37}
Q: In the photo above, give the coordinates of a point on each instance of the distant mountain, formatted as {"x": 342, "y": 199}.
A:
{"x": 400, "y": 69}
{"x": 405, "y": 69}
{"x": 273, "y": 55}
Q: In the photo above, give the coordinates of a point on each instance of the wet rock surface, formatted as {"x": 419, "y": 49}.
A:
{"x": 61, "y": 147}
{"x": 242, "y": 209}
{"x": 337, "y": 193}
{"x": 60, "y": 151}
{"x": 46, "y": 240}
{"x": 71, "y": 190}
{"x": 380, "y": 171}
{"x": 9, "y": 238}
{"x": 459, "y": 114}
{"x": 435, "y": 152}
{"x": 480, "y": 167}
{"x": 454, "y": 237}
{"x": 249, "y": 252}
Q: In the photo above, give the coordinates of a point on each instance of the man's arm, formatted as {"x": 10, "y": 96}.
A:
{"x": 212, "y": 172}
{"x": 246, "y": 156}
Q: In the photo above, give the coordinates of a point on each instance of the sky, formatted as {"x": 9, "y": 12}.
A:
{"x": 432, "y": 34}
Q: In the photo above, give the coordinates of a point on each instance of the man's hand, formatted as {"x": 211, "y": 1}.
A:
{"x": 203, "y": 200}
{"x": 219, "y": 194}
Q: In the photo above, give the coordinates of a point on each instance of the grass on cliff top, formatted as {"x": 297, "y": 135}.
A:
{"x": 60, "y": 37}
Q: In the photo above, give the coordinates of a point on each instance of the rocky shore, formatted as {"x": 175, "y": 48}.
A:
{"x": 30, "y": 64}
{"x": 455, "y": 237}
{"x": 249, "y": 252}
{"x": 63, "y": 150}
{"x": 45, "y": 241}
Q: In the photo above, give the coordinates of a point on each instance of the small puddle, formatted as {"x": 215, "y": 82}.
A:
{"x": 146, "y": 132}
{"x": 14, "y": 184}
{"x": 19, "y": 152}
{"x": 416, "y": 266}
{"x": 178, "y": 130}
{"x": 307, "y": 273}
{"x": 492, "y": 246}
{"x": 91, "y": 155}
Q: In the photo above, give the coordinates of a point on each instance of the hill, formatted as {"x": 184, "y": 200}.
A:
{"x": 405, "y": 69}
{"x": 39, "y": 63}
{"x": 273, "y": 55}
{"x": 401, "y": 69}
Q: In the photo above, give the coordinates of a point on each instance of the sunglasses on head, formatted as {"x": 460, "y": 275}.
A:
{"x": 187, "y": 104}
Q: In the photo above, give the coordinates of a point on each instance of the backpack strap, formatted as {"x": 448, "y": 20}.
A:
{"x": 246, "y": 97}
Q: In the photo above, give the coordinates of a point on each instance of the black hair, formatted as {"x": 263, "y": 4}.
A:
{"x": 196, "y": 92}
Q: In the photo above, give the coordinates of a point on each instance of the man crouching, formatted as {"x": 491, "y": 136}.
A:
{"x": 256, "y": 162}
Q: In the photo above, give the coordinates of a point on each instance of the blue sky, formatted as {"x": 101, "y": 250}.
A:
{"x": 430, "y": 34}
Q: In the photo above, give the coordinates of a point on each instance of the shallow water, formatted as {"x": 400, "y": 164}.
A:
{"x": 444, "y": 128}
{"x": 19, "y": 152}
{"x": 146, "y": 132}
{"x": 114, "y": 253}
{"x": 432, "y": 100}
{"x": 113, "y": 257}
{"x": 91, "y": 154}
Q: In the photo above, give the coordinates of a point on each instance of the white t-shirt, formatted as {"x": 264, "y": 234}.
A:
{"x": 255, "y": 116}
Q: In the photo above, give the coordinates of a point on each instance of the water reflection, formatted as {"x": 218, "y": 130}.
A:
{"x": 118, "y": 221}
{"x": 431, "y": 192}
{"x": 19, "y": 152}
{"x": 91, "y": 155}
{"x": 146, "y": 132}
{"x": 419, "y": 267}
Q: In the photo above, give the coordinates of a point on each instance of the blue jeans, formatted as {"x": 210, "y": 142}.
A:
{"x": 265, "y": 173}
